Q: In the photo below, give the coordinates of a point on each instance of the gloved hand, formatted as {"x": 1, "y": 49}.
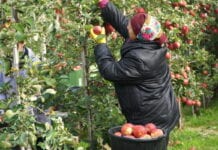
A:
{"x": 98, "y": 34}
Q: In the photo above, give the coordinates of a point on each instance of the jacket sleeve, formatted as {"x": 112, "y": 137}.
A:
{"x": 112, "y": 15}
{"x": 127, "y": 70}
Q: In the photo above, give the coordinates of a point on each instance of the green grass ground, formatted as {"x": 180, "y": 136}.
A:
{"x": 198, "y": 132}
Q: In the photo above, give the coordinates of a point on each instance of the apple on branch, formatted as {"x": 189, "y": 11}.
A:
{"x": 109, "y": 28}
{"x": 185, "y": 29}
{"x": 168, "y": 55}
{"x": 176, "y": 45}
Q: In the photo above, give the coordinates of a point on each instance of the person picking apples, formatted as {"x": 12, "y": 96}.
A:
{"x": 141, "y": 77}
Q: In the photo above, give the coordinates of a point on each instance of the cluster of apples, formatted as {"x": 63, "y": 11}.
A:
{"x": 147, "y": 131}
{"x": 190, "y": 102}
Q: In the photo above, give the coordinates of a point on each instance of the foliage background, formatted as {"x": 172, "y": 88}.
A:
{"x": 57, "y": 31}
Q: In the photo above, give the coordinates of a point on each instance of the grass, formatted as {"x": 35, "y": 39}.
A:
{"x": 198, "y": 132}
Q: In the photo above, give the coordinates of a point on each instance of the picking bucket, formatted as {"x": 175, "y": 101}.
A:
{"x": 124, "y": 143}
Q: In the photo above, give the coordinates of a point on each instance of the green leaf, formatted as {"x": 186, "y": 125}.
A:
{"x": 50, "y": 82}
{"x": 19, "y": 36}
{"x": 3, "y": 105}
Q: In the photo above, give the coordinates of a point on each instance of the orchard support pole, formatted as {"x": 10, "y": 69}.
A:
{"x": 180, "y": 112}
{"x": 86, "y": 92}
{"x": 16, "y": 72}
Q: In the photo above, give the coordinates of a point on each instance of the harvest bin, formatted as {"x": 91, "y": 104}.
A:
{"x": 123, "y": 143}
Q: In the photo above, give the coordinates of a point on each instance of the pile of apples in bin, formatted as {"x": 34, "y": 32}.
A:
{"x": 147, "y": 131}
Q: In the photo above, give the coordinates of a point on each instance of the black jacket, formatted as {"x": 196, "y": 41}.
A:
{"x": 141, "y": 77}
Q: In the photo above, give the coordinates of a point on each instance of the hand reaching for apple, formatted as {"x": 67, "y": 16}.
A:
{"x": 97, "y": 33}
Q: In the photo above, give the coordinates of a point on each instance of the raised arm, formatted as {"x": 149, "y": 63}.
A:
{"x": 127, "y": 70}
{"x": 115, "y": 17}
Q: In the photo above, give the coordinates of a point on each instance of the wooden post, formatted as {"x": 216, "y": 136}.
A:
{"x": 204, "y": 101}
{"x": 180, "y": 112}
{"x": 86, "y": 92}
{"x": 16, "y": 72}
{"x": 193, "y": 111}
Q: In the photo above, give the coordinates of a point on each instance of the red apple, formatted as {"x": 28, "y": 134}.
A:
{"x": 150, "y": 127}
{"x": 76, "y": 68}
{"x": 175, "y": 4}
{"x": 185, "y": 82}
{"x": 168, "y": 55}
{"x": 127, "y": 129}
{"x": 139, "y": 131}
{"x": 216, "y": 11}
{"x": 193, "y": 102}
{"x": 184, "y": 74}
{"x": 189, "y": 102}
{"x": 157, "y": 133}
{"x": 198, "y": 103}
{"x": 207, "y": 7}
{"x": 215, "y": 30}
{"x": 215, "y": 65}
{"x": 189, "y": 41}
{"x": 177, "y": 76}
{"x": 204, "y": 85}
{"x": 203, "y": 15}
{"x": 170, "y": 46}
{"x": 176, "y": 45}
{"x": 185, "y": 29}
{"x": 182, "y": 3}
{"x": 118, "y": 133}
{"x": 187, "y": 68}
{"x": 186, "y": 11}
{"x": 114, "y": 35}
{"x": 172, "y": 75}
{"x": 145, "y": 136}
{"x": 205, "y": 72}
{"x": 183, "y": 99}
{"x": 97, "y": 30}
{"x": 170, "y": 27}
{"x": 109, "y": 28}
{"x": 167, "y": 23}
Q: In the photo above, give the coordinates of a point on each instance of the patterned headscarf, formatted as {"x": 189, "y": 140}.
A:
{"x": 146, "y": 27}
